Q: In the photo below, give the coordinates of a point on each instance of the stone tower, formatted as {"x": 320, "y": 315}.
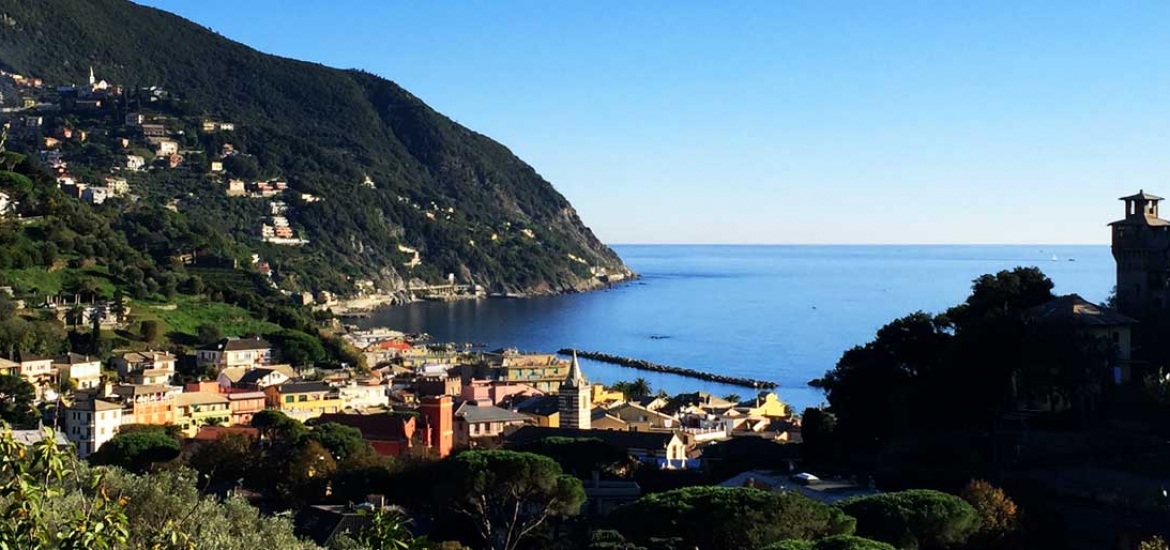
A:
{"x": 574, "y": 399}
{"x": 440, "y": 432}
{"x": 1141, "y": 248}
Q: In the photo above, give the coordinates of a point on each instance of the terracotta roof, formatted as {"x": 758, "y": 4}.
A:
{"x": 245, "y": 395}
{"x": 200, "y": 398}
{"x": 374, "y": 427}
{"x": 212, "y": 433}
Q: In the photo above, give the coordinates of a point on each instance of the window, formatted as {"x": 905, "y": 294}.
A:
{"x": 288, "y": 399}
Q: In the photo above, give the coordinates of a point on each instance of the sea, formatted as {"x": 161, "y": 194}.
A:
{"x": 779, "y": 313}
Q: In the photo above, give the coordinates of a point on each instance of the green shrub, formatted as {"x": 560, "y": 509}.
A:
{"x": 728, "y": 518}
{"x": 913, "y": 519}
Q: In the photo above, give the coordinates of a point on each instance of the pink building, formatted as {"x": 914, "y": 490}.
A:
{"x": 487, "y": 392}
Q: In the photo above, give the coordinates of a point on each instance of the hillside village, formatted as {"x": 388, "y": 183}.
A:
{"x": 113, "y": 146}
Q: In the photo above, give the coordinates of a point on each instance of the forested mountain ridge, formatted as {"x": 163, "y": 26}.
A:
{"x": 391, "y": 173}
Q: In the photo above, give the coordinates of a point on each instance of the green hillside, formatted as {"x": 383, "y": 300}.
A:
{"x": 466, "y": 203}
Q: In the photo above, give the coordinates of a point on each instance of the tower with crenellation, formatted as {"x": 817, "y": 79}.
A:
{"x": 1141, "y": 249}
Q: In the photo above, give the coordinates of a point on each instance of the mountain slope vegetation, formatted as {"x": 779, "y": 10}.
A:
{"x": 393, "y": 175}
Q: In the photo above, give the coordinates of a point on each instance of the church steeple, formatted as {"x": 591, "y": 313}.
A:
{"x": 575, "y": 378}
{"x": 574, "y": 399}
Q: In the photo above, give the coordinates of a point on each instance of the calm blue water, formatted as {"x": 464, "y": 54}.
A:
{"x": 782, "y": 313}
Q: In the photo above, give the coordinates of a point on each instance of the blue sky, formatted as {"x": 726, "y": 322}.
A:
{"x": 780, "y": 122}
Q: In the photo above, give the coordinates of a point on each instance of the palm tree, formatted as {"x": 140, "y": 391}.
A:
{"x": 640, "y": 388}
{"x": 733, "y": 397}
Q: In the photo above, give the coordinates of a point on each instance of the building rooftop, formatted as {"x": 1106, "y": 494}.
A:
{"x": 245, "y": 395}
{"x": 304, "y": 387}
{"x": 95, "y": 405}
{"x": 622, "y": 439}
{"x": 141, "y": 389}
{"x": 75, "y": 359}
{"x": 146, "y": 356}
{"x": 200, "y": 398}
{"x": 238, "y": 344}
{"x": 255, "y": 375}
{"x": 1141, "y": 196}
{"x": 1073, "y": 308}
{"x": 32, "y": 437}
{"x": 377, "y": 427}
{"x": 487, "y": 413}
{"x": 540, "y": 405}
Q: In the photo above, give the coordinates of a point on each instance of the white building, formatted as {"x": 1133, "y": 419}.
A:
{"x": 96, "y": 195}
{"x": 135, "y": 162}
{"x": 83, "y": 371}
{"x": 362, "y": 396}
{"x": 235, "y": 352}
{"x": 90, "y": 423}
{"x": 134, "y": 362}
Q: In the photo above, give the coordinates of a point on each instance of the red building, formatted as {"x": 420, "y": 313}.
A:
{"x": 439, "y": 413}
{"x": 394, "y": 434}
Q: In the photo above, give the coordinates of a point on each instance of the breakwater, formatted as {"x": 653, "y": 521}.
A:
{"x": 642, "y": 364}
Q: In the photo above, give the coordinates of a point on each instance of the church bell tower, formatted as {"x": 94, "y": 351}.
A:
{"x": 573, "y": 399}
{"x": 1141, "y": 248}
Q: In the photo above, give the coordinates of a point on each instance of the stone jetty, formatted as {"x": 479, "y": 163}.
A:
{"x": 642, "y": 364}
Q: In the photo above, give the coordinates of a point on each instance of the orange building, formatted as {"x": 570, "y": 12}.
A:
{"x": 244, "y": 405}
{"x": 147, "y": 404}
{"x": 439, "y": 413}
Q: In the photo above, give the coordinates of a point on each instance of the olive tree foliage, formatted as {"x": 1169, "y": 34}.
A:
{"x": 51, "y": 501}
{"x": 35, "y": 480}
{"x": 728, "y": 518}
{"x": 167, "y": 512}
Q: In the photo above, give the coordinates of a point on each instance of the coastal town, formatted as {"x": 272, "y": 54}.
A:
{"x": 464, "y": 399}
{"x": 202, "y": 246}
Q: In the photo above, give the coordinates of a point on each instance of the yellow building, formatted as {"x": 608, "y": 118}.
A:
{"x": 195, "y": 409}
{"x": 606, "y": 397}
{"x": 303, "y": 400}
{"x": 768, "y": 405}
{"x": 544, "y": 410}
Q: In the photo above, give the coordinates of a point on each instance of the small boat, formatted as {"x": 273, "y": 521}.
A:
{"x": 1054, "y": 258}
